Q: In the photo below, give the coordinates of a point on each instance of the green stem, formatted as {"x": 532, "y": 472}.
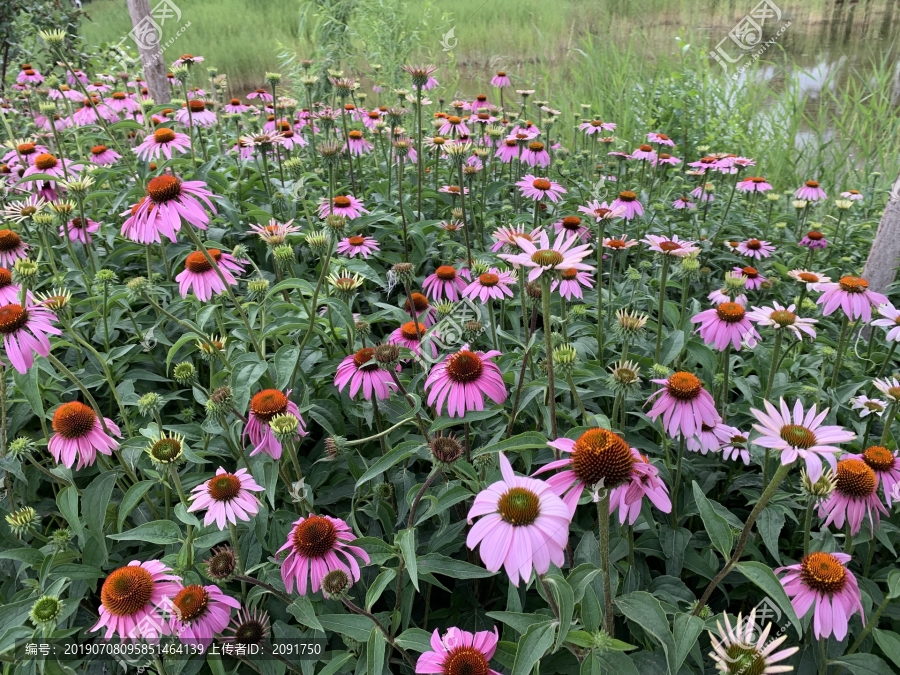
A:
{"x": 603, "y": 526}
{"x": 548, "y": 344}
{"x": 776, "y": 350}
{"x": 842, "y": 344}
{"x": 664, "y": 275}
{"x": 807, "y": 525}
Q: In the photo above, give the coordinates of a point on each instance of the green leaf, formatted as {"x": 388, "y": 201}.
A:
{"x": 687, "y": 629}
{"x": 893, "y": 581}
{"x": 647, "y": 612}
{"x": 157, "y": 532}
{"x": 285, "y": 360}
{"x": 530, "y": 440}
{"x": 406, "y": 540}
{"x": 671, "y": 347}
{"x": 378, "y": 586}
{"x": 770, "y": 524}
{"x": 533, "y": 645}
{"x": 435, "y": 563}
{"x": 131, "y": 499}
{"x": 28, "y": 385}
{"x": 717, "y": 528}
{"x": 353, "y": 626}
{"x": 375, "y": 648}
{"x": 303, "y": 611}
{"x": 565, "y": 602}
{"x": 518, "y": 621}
{"x": 863, "y": 664}
{"x": 761, "y": 575}
{"x": 29, "y": 556}
{"x": 415, "y": 639}
{"x": 889, "y": 642}
{"x": 384, "y": 463}
{"x": 337, "y": 663}
{"x": 67, "y": 501}
{"x": 93, "y": 506}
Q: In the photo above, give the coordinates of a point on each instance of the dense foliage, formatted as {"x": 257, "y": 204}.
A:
{"x": 455, "y": 387}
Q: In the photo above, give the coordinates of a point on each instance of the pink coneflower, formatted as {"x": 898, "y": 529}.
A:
{"x": 91, "y": 111}
{"x": 644, "y": 153}
{"x": 643, "y": 482}
{"x": 131, "y": 600}
{"x": 601, "y": 211}
{"x": 888, "y": 387}
{"x": 660, "y": 139}
{"x": 200, "y": 277}
{"x": 103, "y": 156}
{"x": 452, "y": 190}
{"x": 891, "y": 322}
{"x": 822, "y": 579}
{"x": 683, "y": 202}
{"x": 704, "y": 193}
{"x": 263, "y": 407}
{"x": 9, "y": 292}
{"x": 868, "y": 406}
{"x": 356, "y": 144}
{"x": 362, "y": 372}
{"x": 719, "y": 296}
{"x": 780, "y": 317}
{"x": 811, "y": 279}
{"x": 752, "y": 184}
{"x": 620, "y": 243}
{"x": 508, "y": 234}
{"x": 572, "y": 226}
{"x": 424, "y": 312}
{"x": 755, "y": 248}
{"x": 536, "y": 188}
{"x": 198, "y": 613}
{"x": 261, "y": 94}
{"x": 665, "y": 158}
{"x": 410, "y": 335}
{"x": 168, "y": 200}
{"x": 235, "y": 107}
{"x": 747, "y": 648}
{"x": 122, "y": 102}
{"x": 195, "y": 112}
{"x": 852, "y": 195}
{"x": 541, "y": 257}
{"x": 628, "y": 201}
{"x": 673, "y": 246}
{"x": 534, "y": 154}
{"x": 12, "y": 248}
{"x": 599, "y": 459}
{"x": 462, "y": 380}
{"x": 705, "y": 441}
{"x": 524, "y": 525}
{"x": 25, "y": 331}
{"x": 811, "y": 192}
{"x": 754, "y": 279}
{"x": 814, "y": 239}
{"x": 800, "y": 435}
{"x": 852, "y": 295}
{"x": 186, "y": 60}
{"x": 78, "y": 434}
{"x": 47, "y": 163}
{"x": 24, "y": 153}
{"x": 501, "y": 79}
{"x": 459, "y": 652}
{"x": 570, "y": 283}
{"x": 454, "y": 126}
{"x": 227, "y": 498}
{"x": 493, "y": 284}
{"x": 724, "y": 324}
{"x": 733, "y": 443}
{"x": 274, "y": 233}
{"x": 28, "y": 75}
{"x": 162, "y": 142}
{"x": 855, "y": 497}
{"x": 317, "y": 545}
{"x": 508, "y": 150}
{"x": 347, "y": 206}
{"x": 596, "y": 126}
{"x": 886, "y": 466}
{"x": 446, "y": 282}
{"x": 358, "y": 245}
{"x": 79, "y": 230}
{"x": 684, "y": 404}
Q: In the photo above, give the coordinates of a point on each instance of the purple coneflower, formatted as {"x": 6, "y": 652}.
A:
{"x": 524, "y": 525}
{"x": 811, "y": 192}
{"x": 852, "y": 195}
{"x": 198, "y": 613}
{"x": 855, "y": 497}
{"x": 79, "y": 230}
{"x": 733, "y": 443}
{"x": 317, "y": 545}
{"x": 570, "y": 283}
{"x": 753, "y": 184}
{"x": 410, "y": 335}
{"x": 754, "y": 279}
{"x": 800, "y": 435}
{"x": 162, "y": 142}
{"x": 745, "y": 649}
{"x": 704, "y": 193}
{"x": 684, "y": 405}
{"x": 683, "y": 202}
{"x": 886, "y": 466}
{"x": 628, "y": 201}
{"x": 493, "y": 284}
{"x": 536, "y": 188}
{"x": 660, "y": 139}
{"x": 573, "y": 227}
{"x": 29, "y": 75}
{"x": 200, "y": 277}
{"x": 868, "y": 406}
{"x": 462, "y": 380}
{"x": 644, "y": 153}
{"x": 673, "y": 246}
{"x": 357, "y": 245}
{"x": 852, "y": 295}
{"x": 814, "y": 239}
{"x": 103, "y": 156}
{"x": 724, "y": 324}
{"x": 131, "y": 600}
{"x": 195, "y": 112}
{"x": 620, "y": 243}
{"x": 12, "y": 248}
{"x": 755, "y": 248}
{"x": 274, "y": 233}
{"x": 78, "y": 434}
{"x": 227, "y": 498}
{"x": 235, "y": 107}
{"x": 459, "y": 652}
{"x": 534, "y": 154}
{"x": 356, "y": 144}
{"x": 168, "y": 200}
{"x": 263, "y": 407}
{"x": 507, "y": 235}
{"x": 446, "y": 282}
{"x": 665, "y": 158}
{"x": 601, "y": 211}
{"x": 541, "y": 257}
{"x": 780, "y": 317}
{"x": 891, "y": 322}
{"x": 363, "y": 373}
{"x": 347, "y": 206}
{"x": 25, "y": 331}
{"x": 811, "y": 279}
{"x": 596, "y": 126}
{"x": 501, "y": 79}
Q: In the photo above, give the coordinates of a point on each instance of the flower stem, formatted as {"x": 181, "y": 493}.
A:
{"x": 776, "y": 350}
{"x": 548, "y": 343}
{"x": 603, "y": 526}
{"x": 807, "y": 525}
{"x": 664, "y": 275}
{"x": 842, "y": 345}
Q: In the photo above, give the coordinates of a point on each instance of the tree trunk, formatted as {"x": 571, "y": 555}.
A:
{"x": 147, "y": 36}
{"x": 881, "y": 265}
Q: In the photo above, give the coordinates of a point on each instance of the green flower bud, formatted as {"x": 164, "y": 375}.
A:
{"x": 45, "y": 611}
{"x": 185, "y": 373}
{"x": 150, "y": 403}
{"x": 23, "y": 520}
